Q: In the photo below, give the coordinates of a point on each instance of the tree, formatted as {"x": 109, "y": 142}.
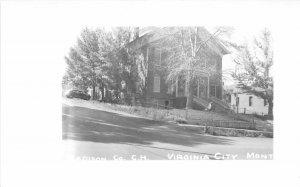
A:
{"x": 189, "y": 51}
{"x": 256, "y": 61}
{"x": 85, "y": 61}
{"x": 120, "y": 62}
{"x": 74, "y": 74}
{"x": 100, "y": 58}
{"x": 142, "y": 65}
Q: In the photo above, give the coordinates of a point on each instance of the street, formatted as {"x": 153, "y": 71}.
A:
{"x": 96, "y": 134}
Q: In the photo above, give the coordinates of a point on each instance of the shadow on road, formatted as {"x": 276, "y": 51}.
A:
{"x": 85, "y": 124}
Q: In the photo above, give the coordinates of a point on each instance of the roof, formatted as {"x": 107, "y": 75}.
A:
{"x": 154, "y": 34}
{"x": 235, "y": 89}
{"x": 147, "y": 35}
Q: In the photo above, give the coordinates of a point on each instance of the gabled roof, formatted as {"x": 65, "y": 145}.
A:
{"x": 235, "y": 89}
{"x": 214, "y": 43}
{"x": 154, "y": 34}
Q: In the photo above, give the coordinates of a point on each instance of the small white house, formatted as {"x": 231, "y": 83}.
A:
{"x": 246, "y": 103}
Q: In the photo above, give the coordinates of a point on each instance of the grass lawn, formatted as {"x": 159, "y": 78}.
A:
{"x": 177, "y": 115}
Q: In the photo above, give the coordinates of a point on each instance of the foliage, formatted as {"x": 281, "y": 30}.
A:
{"x": 190, "y": 54}
{"x": 256, "y": 61}
{"x": 84, "y": 61}
{"x": 100, "y": 58}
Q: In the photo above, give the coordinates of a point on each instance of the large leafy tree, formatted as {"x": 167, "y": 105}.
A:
{"x": 255, "y": 61}
{"x": 85, "y": 61}
{"x": 100, "y": 58}
{"x": 120, "y": 62}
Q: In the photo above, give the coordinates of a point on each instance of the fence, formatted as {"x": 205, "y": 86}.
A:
{"x": 206, "y": 118}
{"x": 246, "y": 111}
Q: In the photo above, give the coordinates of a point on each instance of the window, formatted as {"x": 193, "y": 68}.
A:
{"x": 265, "y": 102}
{"x": 156, "y": 86}
{"x": 213, "y": 90}
{"x": 229, "y": 98}
{"x": 170, "y": 87}
{"x": 137, "y": 87}
{"x": 160, "y": 51}
{"x": 219, "y": 92}
{"x": 250, "y": 100}
{"x": 157, "y": 55}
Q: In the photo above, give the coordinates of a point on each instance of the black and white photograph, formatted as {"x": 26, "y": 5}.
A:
{"x": 175, "y": 93}
{"x": 147, "y": 93}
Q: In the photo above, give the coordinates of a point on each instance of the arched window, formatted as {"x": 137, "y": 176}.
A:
{"x": 250, "y": 100}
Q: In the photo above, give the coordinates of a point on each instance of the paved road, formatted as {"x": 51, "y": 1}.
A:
{"x": 93, "y": 134}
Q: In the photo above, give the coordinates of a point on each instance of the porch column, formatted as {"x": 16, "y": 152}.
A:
{"x": 185, "y": 88}
{"x": 208, "y": 87}
{"x": 176, "y": 87}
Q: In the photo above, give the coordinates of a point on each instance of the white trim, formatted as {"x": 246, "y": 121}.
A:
{"x": 208, "y": 87}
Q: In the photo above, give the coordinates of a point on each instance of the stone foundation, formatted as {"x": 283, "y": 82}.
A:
{"x": 221, "y": 131}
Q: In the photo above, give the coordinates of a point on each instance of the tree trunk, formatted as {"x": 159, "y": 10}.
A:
{"x": 189, "y": 101}
{"x": 94, "y": 93}
{"x": 102, "y": 93}
{"x": 117, "y": 94}
{"x": 270, "y": 109}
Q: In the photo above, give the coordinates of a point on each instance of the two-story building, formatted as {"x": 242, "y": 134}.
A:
{"x": 206, "y": 87}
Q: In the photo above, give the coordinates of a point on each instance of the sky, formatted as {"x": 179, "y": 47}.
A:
{"x": 56, "y": 26}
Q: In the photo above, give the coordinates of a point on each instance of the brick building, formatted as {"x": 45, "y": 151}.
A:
{"x": 206, "y": 88}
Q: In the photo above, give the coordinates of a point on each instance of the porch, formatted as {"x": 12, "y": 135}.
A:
{"x": 203, "y": 87}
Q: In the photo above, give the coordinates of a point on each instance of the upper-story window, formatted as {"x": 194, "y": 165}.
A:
{"x": 250, "y": 101}
{"x": 137, "y": 87}
{"x": 160, "y": 53}
{"x": 170, "y": 87}
{"x": 157, "y": 55}
{"x": 156, "y": 85}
